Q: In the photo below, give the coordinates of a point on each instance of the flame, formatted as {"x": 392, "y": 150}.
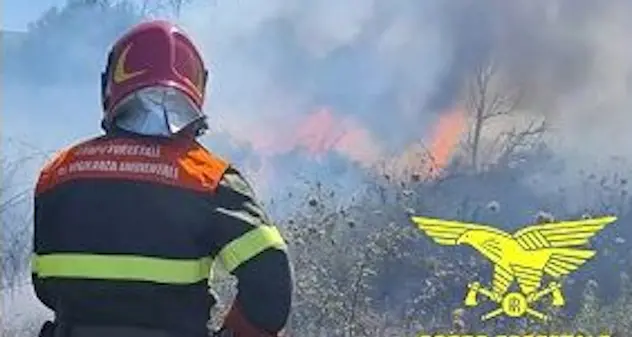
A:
{"x": 314, "y": 135}
{"x": 429, "y": 161}
{"x": 318, "y": 133}
{"x": 359, "y": 145}
{"x": 446, "y": 136}
{"x": 321, "y": 132}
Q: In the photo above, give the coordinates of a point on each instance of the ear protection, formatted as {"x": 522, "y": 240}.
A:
{"x": 105, "y": 76}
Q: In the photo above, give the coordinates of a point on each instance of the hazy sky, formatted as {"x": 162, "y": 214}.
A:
{"x": 16, "y": 14}
{"x": 384, "y": 70}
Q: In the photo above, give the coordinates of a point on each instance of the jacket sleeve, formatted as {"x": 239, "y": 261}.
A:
{"x": 251, "y": 248}
{"x": 42, "y": 183}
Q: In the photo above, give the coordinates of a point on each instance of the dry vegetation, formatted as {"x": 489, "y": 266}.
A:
{"x": 362, "y": 269}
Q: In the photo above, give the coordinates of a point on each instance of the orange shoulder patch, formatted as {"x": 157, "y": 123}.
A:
{"x": 185, "y": 165}
{"x": 202, "y": 167}
{"x": 47, "y": 174}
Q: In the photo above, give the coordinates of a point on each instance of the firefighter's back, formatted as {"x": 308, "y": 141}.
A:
{"x": 122, "y": 233}
{"x": 127, "y": 224}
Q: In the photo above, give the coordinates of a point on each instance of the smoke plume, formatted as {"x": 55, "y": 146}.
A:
{"x": 291, "y": 75}
{"x": 364, "y": 79}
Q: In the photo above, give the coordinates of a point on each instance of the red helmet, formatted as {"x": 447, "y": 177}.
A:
{"x": 154, "y": 53}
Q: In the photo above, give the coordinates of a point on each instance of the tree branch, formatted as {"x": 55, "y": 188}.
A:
{"x": 519, "y": 139}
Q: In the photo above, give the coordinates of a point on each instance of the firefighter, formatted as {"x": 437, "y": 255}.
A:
{"x": 129, "y": 224}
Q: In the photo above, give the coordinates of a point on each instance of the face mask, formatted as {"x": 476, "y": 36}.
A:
{"x": 157, "y": 111}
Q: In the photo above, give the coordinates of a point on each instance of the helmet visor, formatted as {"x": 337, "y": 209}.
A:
{"x": 157, "y": 111}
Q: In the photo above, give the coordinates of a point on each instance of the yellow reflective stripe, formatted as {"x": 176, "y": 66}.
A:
{"x": 249, "y": 245}
{"x": 118, "y": 267}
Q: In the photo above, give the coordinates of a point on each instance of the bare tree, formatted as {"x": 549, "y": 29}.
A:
{"x": 176, "y": 6}
{"x": 172, "y": 7}
{"x": 15, "y": 232}
{"x": 489, "y": 97}
{"x": 16, "y": 192}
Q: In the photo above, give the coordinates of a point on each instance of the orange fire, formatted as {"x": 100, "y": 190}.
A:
{"x": 320, "y": 132}
{"x": 446, "y": 136}
{"x": 428, "y": 161}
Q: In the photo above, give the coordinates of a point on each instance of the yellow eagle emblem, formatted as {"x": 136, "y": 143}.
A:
{"x": 554, "y": 249}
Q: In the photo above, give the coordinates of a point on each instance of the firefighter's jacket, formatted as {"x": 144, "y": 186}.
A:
{"x": 127, "y": 229}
